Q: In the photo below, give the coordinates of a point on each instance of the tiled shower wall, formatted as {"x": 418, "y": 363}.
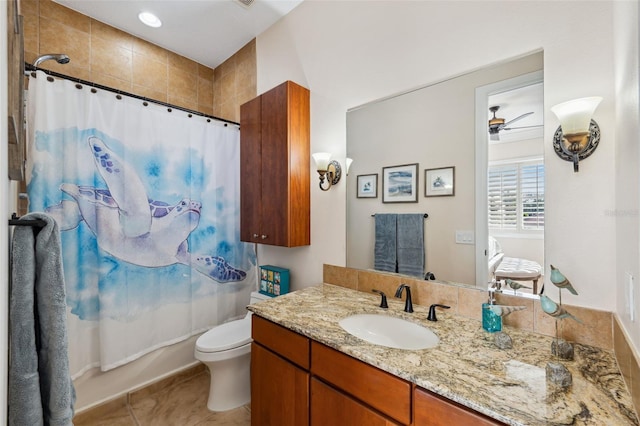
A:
{"x": 110, "y": 57}
{"x": 107, "y": 56}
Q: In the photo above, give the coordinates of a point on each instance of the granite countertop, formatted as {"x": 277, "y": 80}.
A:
{"x": 466, "y": 366}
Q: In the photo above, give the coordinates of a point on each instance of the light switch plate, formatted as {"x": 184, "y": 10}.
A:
{"x": 465, "y": 237}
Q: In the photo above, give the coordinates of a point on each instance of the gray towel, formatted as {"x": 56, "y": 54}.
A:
{"x": 411, "y": 244}
{"x": 384, "y": 258}
{"x": 40, "y": 388}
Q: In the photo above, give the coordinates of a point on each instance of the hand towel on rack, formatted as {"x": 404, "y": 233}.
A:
{"x": 411, "y": 244}
{"x": 40, "y": 388}
{"x": 385, "y": 244}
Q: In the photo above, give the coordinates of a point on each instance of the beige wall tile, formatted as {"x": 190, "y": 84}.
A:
{"x": 427, "y": 293}
{"x": 29, "y": 7}
{"x": 623, "y": 353}
{"x": 111, "y": 59}
{"x": 150, "y": 93}
{"x": 182, "y": 84}
{"x": 595, "y": 329}
{"x": 112, "y": 35}
{"x": 150, "y": 73}
{"x": 206, "y": 110}
{"x": 228, "y": 86}
{"x": 338, "y": 275}
{"x": 520, "y": 319}
{"x": 205, "y": 92}
{"x": 182, "y": 63}
{"x": 205, "y": 72}
{"x": 65, "y": 16}
{"x": 122, "y": 61}
{"x": 470, "y": 302}
{"x": 111, "y": 81}
{"x": 152, "y": 51}
{"x": 30, "y": 28}
{"x": 387, "y": 283}
{"x": 188, "y": 103}
{"x": 59, "y": 38}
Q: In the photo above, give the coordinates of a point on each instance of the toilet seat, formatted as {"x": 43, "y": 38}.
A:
{"x": 226, "y": 336}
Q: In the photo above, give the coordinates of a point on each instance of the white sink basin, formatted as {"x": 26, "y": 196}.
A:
{"x": 389, "y": 331}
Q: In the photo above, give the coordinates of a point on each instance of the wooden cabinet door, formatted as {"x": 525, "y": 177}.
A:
{"x": 332, "y": 407}
{"x": 250, "y": 171}
{"x": 275, "y": 176}
{"x": 432, "y": 410}
{"x": 279, "y": 390}
{"x": 275, "y": 166}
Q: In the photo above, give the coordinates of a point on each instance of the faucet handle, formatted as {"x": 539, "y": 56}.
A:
{"x": 432, "y": 311}
{"x": 383, "y": 298}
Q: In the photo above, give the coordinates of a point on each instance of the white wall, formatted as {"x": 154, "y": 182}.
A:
{"x": 627, "y": 175}
{"x": 349, "y": 53}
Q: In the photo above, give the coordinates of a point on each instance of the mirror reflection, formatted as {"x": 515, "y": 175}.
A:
{"x": 436, "y": 127}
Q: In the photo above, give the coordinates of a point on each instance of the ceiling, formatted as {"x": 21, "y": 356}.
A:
{"x": 514, "y": 103}
{"x": 206, "y": 31}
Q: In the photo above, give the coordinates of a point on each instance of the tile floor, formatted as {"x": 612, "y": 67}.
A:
{"x": 182, "y": 403}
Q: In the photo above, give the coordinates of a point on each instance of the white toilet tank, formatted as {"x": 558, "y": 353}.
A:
{"x": 257, "y": 297}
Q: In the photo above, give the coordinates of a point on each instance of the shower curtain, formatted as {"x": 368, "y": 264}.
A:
{"x": 147, "y": 201}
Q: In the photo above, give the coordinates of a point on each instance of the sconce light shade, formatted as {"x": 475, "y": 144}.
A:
{"x": 322, "y": 160}
{"x": 578, "y": 135}
{"x": 327, "y": 167}
{"x": 348, "y": 162}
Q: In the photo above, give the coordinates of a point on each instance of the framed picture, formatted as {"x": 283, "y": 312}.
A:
{"x": 367, "y": 186}
{"x": 439, "y": 182}
{"x": 400, "y": 184}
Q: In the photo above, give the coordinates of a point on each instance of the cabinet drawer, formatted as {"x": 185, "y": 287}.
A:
{"x": 287, "y": 343}
{"x": 378, "y": 389}
{"x": 430, "y": 409}
{"x": 332, "y": 407}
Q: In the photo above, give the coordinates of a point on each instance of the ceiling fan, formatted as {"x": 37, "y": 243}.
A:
{"x": 497, "y": 124}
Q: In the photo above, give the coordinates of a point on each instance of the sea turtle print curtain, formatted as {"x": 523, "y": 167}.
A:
{"x": 147, "y": 201}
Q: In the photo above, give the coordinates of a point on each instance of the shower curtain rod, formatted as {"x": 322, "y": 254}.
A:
{"x": 30, "y": 67}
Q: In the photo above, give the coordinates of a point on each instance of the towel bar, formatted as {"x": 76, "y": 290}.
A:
{"x": 16, "y": 221}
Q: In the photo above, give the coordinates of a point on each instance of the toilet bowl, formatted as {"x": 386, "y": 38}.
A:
{"x": 226, "y": 351}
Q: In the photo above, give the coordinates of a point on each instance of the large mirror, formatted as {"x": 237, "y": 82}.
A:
{"x": 434, "y": 126}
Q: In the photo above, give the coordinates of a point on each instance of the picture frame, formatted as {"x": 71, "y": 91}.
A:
{"x": 367, "y": 186}
{"x": 400, "y": 184}
{"x": 440, "y": 182}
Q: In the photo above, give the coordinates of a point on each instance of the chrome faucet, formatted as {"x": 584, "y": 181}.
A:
{"x": 408, "y": 306}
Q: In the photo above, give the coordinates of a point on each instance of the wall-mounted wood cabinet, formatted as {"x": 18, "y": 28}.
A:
{"x": 274, "y": 167}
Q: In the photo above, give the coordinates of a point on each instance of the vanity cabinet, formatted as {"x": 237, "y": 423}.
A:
{"x": 274, "y": 167}
{"x": 378, "y": 389}
{"x": 433, "y": 410}
{"x": 299, "y": 382}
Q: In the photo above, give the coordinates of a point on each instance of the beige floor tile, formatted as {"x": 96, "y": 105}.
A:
{"x": 238, "y": 417}
{"x": 182, "y": 404}
{"x": 114, "y": 413}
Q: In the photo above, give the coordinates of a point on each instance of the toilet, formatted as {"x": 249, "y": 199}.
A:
{"x": 226, "y": 351}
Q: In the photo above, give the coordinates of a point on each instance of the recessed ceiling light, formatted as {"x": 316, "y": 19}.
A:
{"x": 149, "y": 19}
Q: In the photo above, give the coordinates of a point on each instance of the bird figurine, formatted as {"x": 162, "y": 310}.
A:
{"x": 515, "y": 285}
{"x": 504, "y": 310}
{"x": 560, "y": 281}
{"x": 553, "y": 309}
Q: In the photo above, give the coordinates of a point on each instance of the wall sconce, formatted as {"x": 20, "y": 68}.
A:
{"x": 578, "y": 135}
{"x": 328, "y": 168}
{"x": 347, "y": 166}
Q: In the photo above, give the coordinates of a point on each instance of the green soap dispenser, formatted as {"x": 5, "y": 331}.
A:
{"x": 490, "y": 321}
